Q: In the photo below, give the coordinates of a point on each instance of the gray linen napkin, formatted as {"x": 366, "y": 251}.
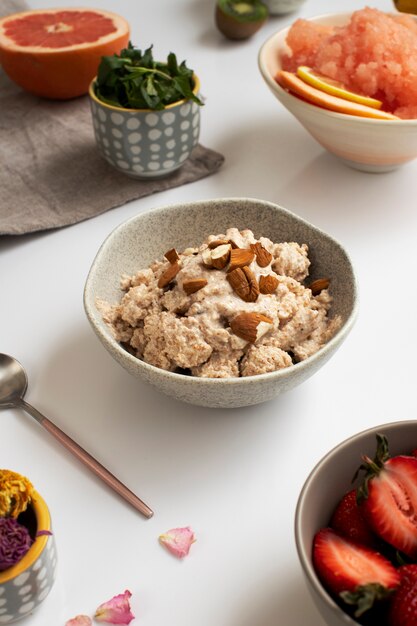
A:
{"x": 51, "y": 174}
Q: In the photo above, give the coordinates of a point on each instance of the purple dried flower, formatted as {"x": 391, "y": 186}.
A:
{"x": 15, "y": 541}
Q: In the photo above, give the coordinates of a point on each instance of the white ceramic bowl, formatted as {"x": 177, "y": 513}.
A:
{"x": 142, "y": 239}
{"x": 369, "y": 145}
{"x": 328, "y": 482}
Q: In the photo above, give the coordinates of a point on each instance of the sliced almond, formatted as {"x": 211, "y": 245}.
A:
{"x": 251, "y": 326}
{"x": 172, "y": 255}
{"x": 239, "y": 257}
{"x": 169, "y": 274}
{"x": 206, "y": 256}
{"x": 318, "y": 285}
{"x": 190, "y": 251}
{"x": 218, "y": 242}
{"x": 193, "y": 285}
{"x": 220, "y": 256}
{"x": 244, "y": 284}
{"x": 263, "y": 257}
{"x": 268, "y": 284}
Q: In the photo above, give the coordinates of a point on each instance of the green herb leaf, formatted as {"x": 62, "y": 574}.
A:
{"x": 135, "y": 80}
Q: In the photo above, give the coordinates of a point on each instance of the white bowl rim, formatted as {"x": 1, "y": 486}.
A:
{"x": 194, "y": 380}
{"x": 305, "y": 559}
{"x": 307, "y": 105}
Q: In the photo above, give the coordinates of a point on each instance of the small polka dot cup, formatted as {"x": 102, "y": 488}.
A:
{"x": 143, "y": 143}
{"x": 25, "y": 585}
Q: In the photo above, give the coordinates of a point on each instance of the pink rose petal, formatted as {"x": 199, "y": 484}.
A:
{"x": 115, "y": 611}
{"x": 178, "y": 541}
{"x": 80, "y": 620}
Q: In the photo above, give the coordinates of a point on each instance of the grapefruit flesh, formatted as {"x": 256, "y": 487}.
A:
{"x": 298, "y": 87}
{"x": 56, "y": 53}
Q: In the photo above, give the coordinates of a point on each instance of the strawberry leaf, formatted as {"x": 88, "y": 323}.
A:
{"x": 372, "y": 467}
{"x": 365, "y": 596}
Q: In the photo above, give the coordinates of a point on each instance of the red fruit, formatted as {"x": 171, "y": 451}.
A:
{"x": 349, "y": 521}
{"x": 55, "y": 53}
{"x": 403, "y": 611}
{"x": 414, "y": 452}
{"x": 355, "y": 572}
{"x": 388, "y": 498}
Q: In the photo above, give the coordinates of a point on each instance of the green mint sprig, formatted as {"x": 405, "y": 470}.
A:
{"x": 134, "y": 80}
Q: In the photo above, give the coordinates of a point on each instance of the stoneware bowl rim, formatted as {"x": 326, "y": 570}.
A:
{"x": 93, "y": 97}
{"x": 105, "y": 336}
{"x": 43, "y": 522}
{"x": 275, "y": 87}
{"x": 300, "y": 513}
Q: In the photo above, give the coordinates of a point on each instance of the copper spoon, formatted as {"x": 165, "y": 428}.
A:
{"x": 13, "y": 385}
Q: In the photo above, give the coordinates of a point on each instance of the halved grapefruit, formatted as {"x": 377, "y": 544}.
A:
{"x": 55, "y": 53}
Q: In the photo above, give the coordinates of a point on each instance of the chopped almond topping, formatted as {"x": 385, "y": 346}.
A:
{"x": 251, "y": 326}
{"x": 169, "y": 274}
{"x": 268, "y": 284}
{"x": 318, "y": 285}
{"x": 172, "y": 255}
{"x": 263, "y": 257}
{"x": 240, "y": 257}
{"x": 193, "y": 285}
{"x": 244, "y": 284}
{"x": 218, "y": 242}
{"x": 220, "y": 256}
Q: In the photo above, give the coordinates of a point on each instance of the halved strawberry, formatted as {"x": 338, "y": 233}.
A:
{"x": 403, "y": 611}
{"x": 388, "y": 497}
{"x": 349, "y": 521}
{"x": 358, "y": 575}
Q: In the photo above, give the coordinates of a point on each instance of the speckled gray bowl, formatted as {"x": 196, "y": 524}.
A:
{"x": 136, "y": 243}
{"x": 143, "y": 143}
{"x": 328, "y": 482}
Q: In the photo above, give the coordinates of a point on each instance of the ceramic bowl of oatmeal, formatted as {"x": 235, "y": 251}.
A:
{"x": 221, "y": 303}
{"x": 369, "y": 52}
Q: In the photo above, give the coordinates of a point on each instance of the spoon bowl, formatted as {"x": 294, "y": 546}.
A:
{"x": 13, "y": 381}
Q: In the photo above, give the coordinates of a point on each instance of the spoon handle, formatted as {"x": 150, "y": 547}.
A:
{"x": 88, "y": 460}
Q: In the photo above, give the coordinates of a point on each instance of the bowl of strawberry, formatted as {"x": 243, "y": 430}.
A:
{"x": 356, "y": 529}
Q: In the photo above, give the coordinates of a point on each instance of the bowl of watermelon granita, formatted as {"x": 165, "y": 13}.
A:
{"x": 351, "y": 80}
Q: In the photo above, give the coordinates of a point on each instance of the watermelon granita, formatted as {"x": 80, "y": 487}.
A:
{"x": 375, "y": 54}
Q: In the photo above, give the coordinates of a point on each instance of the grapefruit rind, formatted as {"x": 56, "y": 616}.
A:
{"x": 60, "y": 73}
{"x": 296, "y": 86}
{"x": 334, "y": 88}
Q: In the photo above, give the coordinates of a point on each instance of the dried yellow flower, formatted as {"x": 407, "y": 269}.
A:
{"x": 15, "y": 493}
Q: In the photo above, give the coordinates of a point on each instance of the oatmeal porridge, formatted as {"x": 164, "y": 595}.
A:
{"x": 235, "y": 306}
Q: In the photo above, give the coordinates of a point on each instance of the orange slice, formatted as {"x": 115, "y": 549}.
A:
{"x": 55, "y": 53}
{"x": 334, "y": 87}
{"x": 339, "y": 105}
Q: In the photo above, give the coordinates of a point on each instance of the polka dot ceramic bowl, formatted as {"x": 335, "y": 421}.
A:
{"x": 25, "y": 585}
{"x": 144, "y": 143}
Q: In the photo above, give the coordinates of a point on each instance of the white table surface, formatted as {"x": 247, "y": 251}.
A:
{"x": 235, "y": 475}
